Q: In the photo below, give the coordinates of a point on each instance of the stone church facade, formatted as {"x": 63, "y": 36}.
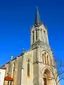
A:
{"x": 37, "y": 65}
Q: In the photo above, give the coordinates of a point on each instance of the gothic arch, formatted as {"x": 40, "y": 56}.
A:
{"x": 46, "y": 59}
{"x": 46, "y": 68}
{"x": 47, "y": 76}
{"x": 46, "y": 52}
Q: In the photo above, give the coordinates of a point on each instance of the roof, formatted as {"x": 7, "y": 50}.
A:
{"x": 37, "y": 19}
{"x": 12, "y": 60}
{"x": 2, "y": 68}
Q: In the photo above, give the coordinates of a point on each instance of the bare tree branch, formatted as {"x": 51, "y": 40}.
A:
{"x": 60, "y": 73}
{"x": 60, "y": 80}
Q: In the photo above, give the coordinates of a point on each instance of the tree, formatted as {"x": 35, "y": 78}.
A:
{"x": 58, "y": 74}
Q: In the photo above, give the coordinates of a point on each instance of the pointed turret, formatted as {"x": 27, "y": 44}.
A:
{"x": 37, "y": 19}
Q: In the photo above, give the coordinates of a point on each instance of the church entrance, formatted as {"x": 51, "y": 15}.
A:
{"x": 45, "y": 81}
{"x": 47, "y": 76}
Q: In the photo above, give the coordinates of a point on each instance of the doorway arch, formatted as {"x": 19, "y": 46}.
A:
{"x": 46, "y": 77}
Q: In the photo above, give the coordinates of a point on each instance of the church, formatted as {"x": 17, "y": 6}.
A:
{"x": 35, "y": 66}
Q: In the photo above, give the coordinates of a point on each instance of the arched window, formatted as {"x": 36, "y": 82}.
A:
{"x": 48, "y": 60}
{"x": 28, "y": 68}
{"x": 36, "y": 34}
{"x": 33, "y": 36}
{"x": 14, "y": 66}
{"x": 45, "y": 58}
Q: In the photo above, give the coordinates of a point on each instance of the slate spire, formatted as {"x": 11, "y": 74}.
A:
{"x": 37, "y": 19}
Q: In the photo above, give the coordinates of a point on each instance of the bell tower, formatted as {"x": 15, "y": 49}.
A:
{"x": 43, "y": 60}
{"x": 39, "y": 35}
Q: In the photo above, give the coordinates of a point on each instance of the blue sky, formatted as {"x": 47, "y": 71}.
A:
{"x": 16, "y": 19}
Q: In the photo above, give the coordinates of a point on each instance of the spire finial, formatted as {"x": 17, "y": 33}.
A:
{"x": 11, "y": 57}
{"x": 37, "y": 18}
{"x": 23, "y": 50}
{"x": 36, "y": 7}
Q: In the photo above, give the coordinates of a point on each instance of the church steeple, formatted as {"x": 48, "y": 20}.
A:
{"x": 37, "y": 18}
{"x": 39, "y": 35}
